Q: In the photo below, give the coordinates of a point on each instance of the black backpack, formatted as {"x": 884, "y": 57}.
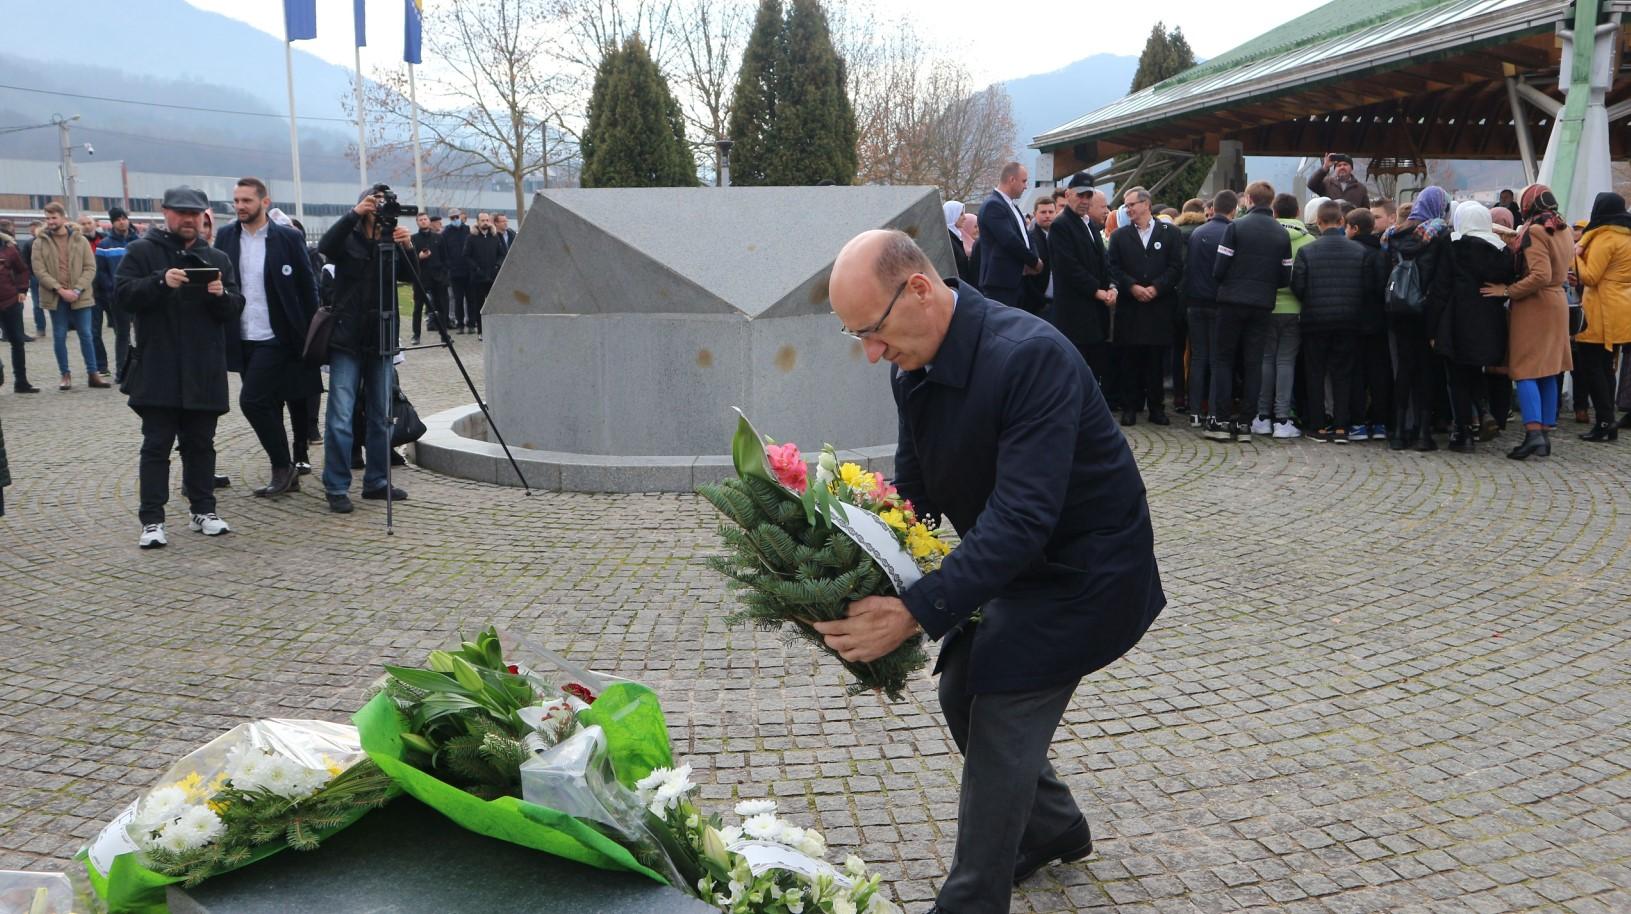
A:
{"x": 1404, "y": 292}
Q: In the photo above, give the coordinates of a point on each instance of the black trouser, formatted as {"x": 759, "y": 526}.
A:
{"x": 1373, "y": 374}
{"x": 1141, "y": 376}
{"x": 1498, "y": 393}
{"x": 1011, "y": 799}
{"x": 1418, "y": 370}
{"x": 459, "y": 307}
{"x": 478, "y": 298}
{"x": 11, "y": 322}
{"x": 1180, "y": 338}
{"x": 160, "y": 429}
{"x": 1202, "y": 318}
{"x": 437, "y": 304}
{"x": 267, "y": 374}
{"x": 1466, "y": 383}
{"x": 1329, "y": 355}
{"x": 96, "y": 338}
{"x": 1593, "y": 368}
{"x": 1238, "y": 332}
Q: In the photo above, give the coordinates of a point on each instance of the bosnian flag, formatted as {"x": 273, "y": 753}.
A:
{"x": 412, "y": 21}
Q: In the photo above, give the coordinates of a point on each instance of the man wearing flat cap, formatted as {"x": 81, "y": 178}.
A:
{"x": 180, "y": 293}
{"x": 1335, "y": 179}
{"x": 1082, "y": 291}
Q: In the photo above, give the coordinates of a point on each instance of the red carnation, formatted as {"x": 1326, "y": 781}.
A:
{"x": 514, "y": 669}
{"x": 579, "y": 692}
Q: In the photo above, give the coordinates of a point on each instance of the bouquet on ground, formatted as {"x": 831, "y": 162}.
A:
{"x": 456, "y": 734}
{"x": 801, "y": 553}
{"x": 256, "y": 789}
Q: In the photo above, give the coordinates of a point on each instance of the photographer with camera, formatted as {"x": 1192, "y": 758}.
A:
{"x": 355, "y": 246}
{"x": 180, "y": 293}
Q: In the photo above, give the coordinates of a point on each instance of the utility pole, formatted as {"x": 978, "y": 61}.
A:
{"x": 70, "y": 180}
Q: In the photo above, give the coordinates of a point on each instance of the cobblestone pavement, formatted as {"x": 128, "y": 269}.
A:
{"x": 1386, "y": 681}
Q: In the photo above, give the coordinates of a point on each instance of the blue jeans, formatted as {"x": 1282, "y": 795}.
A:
{"x": 1537, "y": 400}
{"x": 81, "y": 320}
{"x": 39, "y": 313}
{"x": 346, "y": 374}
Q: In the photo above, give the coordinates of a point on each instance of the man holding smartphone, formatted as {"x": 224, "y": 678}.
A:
{"x": 180, "y": 293}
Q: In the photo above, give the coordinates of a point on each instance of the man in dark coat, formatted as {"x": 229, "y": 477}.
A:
{"x": 280, "y": 299}
{"x": 1003, "y": 432}
{"x": 177, "y": 376}
{"x": 1038, "y": 297}
{"x": 458, "y": 273}
{"x": 1253, "y": 263}
{"x": 1146, "y": 261}
{"x": 109, "y": 251}
{"x": 1370, "y": 406}
{"x": 1006, "y": 256}
{"x": 427, "y": 247}
{"x": 1333, "y": 277}
{"x": 357, "y": 366}
{"x": 1082, "y": 290}
{"x": 1201, "y": 299}
{"x": 1335, "y": 179}
{"x": 483, "y": 256}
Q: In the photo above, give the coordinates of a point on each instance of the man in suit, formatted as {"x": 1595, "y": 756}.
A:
{"x": 1006, "y": 255}
{"x": 454, "y": 238}
{"x": 431, "y": 290}
{"x": 1146, "y": 261}
{"x": 1082, "y": 290}
{"x": 1003, "y": 432}
{"x": 265, "y": 344}
{"x": 1039, "y": 287}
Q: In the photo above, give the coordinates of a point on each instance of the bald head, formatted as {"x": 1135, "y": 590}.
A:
{"x": 886, "y": 289}
{"x": 884, "y": 256}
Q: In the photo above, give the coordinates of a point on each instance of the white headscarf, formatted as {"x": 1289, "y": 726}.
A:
{"x": 1472, "y": 221}
{"x": 954, "y": 211}
{"x": 1311, "y": 211}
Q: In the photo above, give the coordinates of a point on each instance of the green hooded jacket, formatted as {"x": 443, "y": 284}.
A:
{"x": 1284, "y": 301}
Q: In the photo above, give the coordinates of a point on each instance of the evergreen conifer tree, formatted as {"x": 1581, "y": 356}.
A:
{"x": 1166, "y": 54}
{"x": 636, "y": 134}
{"x": 791, "y": 118}
{"x": 753, "y": 103}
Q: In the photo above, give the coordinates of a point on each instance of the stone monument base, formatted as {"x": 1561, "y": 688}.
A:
{"x": 459, "y": 443}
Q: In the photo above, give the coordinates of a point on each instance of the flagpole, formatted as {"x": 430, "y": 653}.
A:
{"x": 418, "y": 169}
{"x": 362, "y": 143}
{"x": 294, "y": 131}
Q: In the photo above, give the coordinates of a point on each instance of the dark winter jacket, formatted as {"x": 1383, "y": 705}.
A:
{"x": 354, "y": 292}
{"x": 1333, "y": 277}
{"x": 482, "y": 257}
{"x": 1200, "y": 259}
{"x": 1325, "y": 184}
{"x": 1373, "y": 320}
{"x": 1035, "y": 296}
{"x": 432, "y": 269}
{"x": 109, "y": 251}
{"x": 1435, "y": 263}
{"x": 966, "y": 268}
{"x": 1472, "y": 330}
{"x": 180, "y": 359}
{"x": 453, "y": 240}
{"x": 1079, "y": 273}
{"x": 1159, "y": 264}
{"x": 1005, "y": 249}
{"x": 14, "y": 274}
{"x": 1254, "y": 261}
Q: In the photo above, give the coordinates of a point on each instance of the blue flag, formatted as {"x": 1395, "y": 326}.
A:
{"x": 412, "y": 22}
{"x": 299, "y": 19}
{"x": 362, "y": 28}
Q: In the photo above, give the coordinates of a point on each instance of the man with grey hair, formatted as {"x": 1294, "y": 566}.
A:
{"x": 1006, "y": 254}
{"x": 1003, "y": 431}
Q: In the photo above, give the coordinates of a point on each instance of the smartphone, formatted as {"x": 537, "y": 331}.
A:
{"x": 201, "y": 276}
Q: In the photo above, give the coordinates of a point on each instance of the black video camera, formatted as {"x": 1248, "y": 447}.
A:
{"x": 389, "y": 208}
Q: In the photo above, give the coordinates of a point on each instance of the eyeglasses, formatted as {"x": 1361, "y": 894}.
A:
{"x": 864, "y": 333}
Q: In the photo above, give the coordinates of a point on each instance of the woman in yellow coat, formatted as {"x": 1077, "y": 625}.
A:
{"x": 1603, "y": 263}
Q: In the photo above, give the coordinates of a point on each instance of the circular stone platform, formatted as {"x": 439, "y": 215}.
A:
{"x": 458, "y": 442}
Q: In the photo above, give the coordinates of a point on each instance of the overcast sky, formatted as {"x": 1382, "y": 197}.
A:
{"x": 1015, "y": 45}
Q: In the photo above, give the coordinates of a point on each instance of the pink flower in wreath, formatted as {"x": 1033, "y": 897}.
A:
{"x": 788, "y": 465}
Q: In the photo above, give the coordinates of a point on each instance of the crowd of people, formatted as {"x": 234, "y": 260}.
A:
{"x": 1343, "y": 319}
{"x": 189, "y": 304}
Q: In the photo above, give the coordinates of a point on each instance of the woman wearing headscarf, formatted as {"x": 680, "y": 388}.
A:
{"x": 1424, "y": 240}
{"x": 1538, "y": 323}
{"x": 1471, "y": 333}
{"x": 968, "y": 231}
{"x": 1504, "y": 226}
{"x": 1603, "y": 263}
{"x": 954, "y": 211}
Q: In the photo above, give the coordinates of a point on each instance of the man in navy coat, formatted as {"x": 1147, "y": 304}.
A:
{"x": 265, "y": 345}
{"x": 1002, "y": 431}
{"x": 1006, "y": 253}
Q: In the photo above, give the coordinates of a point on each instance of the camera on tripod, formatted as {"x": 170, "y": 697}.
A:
{"x": 390, "y": 209}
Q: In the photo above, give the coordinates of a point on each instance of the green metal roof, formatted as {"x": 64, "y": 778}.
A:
{"x": 1340, "y": 39}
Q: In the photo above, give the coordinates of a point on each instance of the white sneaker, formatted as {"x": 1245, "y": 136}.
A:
{"x": 152, "y": 537}
{"x": 1261, "y": 426}
{"x": 209, "y": 524}
{"x": 1286, "y": 429}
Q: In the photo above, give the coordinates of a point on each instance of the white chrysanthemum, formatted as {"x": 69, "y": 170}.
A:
{"x": 200, "y": 824}
{"x": 730, "y": 834}
{"x": 855, "y": 866}
{"x": 790, "y": 835}
{"x": 763, "y": 826}
{"x": 750, "y": 808}
{"x": 160, "y": 808}
{"x": 174, "y": 840}
{"x": 814, "y": 844}
{"x": 843, "y": 905}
